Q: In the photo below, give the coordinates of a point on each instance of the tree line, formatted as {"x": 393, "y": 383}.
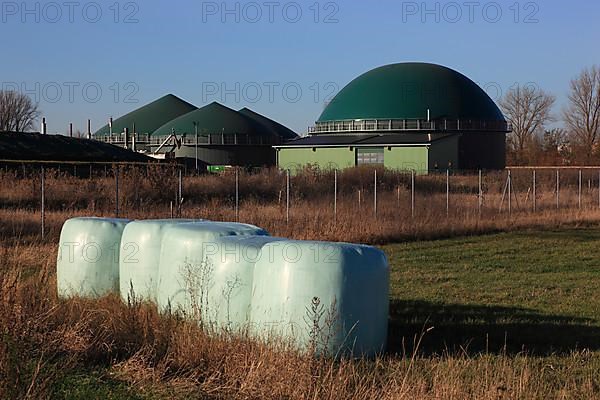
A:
{"x": 533, "y": 140}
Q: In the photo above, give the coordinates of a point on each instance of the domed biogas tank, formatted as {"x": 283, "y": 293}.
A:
{"x": 139, "y": 256}
{"x": 330, "y": 298}
{"x": 185, "y": 275}
{"x": 88, "y": 257}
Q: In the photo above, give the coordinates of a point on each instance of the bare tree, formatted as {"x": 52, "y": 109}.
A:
{"x": 528, "y": 110}
{"x": 17, "y": 111}
{"x": 582, "y": 115}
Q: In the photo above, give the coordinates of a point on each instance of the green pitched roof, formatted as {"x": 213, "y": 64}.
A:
{"x": 275, "y": 127}
{"x": 151, "y": 116}
{"x": 213, "y": 118}
{"x": 407, "y": 91}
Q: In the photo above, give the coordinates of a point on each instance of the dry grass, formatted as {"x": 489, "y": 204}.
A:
{"x": 263, "y": 202}
{"x": 44, "y": 339}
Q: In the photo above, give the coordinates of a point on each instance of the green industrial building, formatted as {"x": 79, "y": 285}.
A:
{"x": 215, "y": 135}
{"x": 408, "y": 116}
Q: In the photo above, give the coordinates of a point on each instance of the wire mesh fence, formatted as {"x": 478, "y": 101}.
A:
{"x": 362, "y": 204}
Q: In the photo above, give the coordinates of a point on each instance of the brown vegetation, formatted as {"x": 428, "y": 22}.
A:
{"x": 153, "y": 192}
{"x": 43, "y": 339}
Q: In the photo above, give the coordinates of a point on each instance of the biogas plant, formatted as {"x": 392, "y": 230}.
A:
{"x": 406, "y": 116}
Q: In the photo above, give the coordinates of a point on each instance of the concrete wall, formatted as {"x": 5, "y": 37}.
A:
{"x": 443, "y": 154}
{"x": 408, "y": 158}
{"x": 324, "y": 158}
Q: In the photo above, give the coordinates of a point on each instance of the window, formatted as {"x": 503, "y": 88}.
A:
{"x": 370, "y": 156}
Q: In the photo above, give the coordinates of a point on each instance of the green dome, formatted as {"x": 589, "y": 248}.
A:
{"x": 274, "y": 127}
{"x": 214, "y": 119}
{"x": 407, "y": 91}
{"x": 151, "y": 116}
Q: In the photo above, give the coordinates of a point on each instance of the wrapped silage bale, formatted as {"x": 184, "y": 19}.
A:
{"x": 230, "y": 267}
{"x": 330, "y": 298}
{"x": 88, "y": 257}
{"x": 185, "y": 275}
{"x": 139, "y": 257}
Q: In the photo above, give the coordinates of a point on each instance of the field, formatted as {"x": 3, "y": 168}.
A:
{"x": 483, "y": 306}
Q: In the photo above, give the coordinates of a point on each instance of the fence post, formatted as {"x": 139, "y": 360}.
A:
{"x": 117, "y": 192}
{"x": 180, "y": 194}
{"x": 412, "y": 193}
{"x": 480, "y": 198}
{"x": 557, "y": 188}
{"x": 375, "y": 196}
{"x": 43, "y": 190}
{"x": 579, "y": 192}
{"x": 287, "y": 201}
{"x": 335, "y": 183}
{"x": 237, "y": 195}
{"x": 359, "y": 200}
{"x": 534, "y": 192}
{"x": 509, "y": 193}
{"x": 447, "y": 192}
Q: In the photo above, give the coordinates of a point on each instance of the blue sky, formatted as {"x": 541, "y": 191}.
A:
{"x": 96, "y": 59}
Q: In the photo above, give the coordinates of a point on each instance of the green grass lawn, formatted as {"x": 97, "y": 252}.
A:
{"x": 533, "y": 291}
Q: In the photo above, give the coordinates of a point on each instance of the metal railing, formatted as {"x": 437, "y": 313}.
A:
{"x": 403, "y": 125}
{"x": 204, "y": 139}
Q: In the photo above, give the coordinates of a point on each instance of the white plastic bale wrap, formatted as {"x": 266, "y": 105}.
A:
{"x": 88, "y": 257}
{"x": 184, "y": 273}
{"x": 328, "y": 297}
{"x": 139, "y": 257}
{"x": 230, "y": 272}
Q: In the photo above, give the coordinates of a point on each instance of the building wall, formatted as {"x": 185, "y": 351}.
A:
{"x": 324, "y": 158}
{"x": 408, "y": 158}
{"x": 443, "y": 154}
{"x": 482, "y": 150}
